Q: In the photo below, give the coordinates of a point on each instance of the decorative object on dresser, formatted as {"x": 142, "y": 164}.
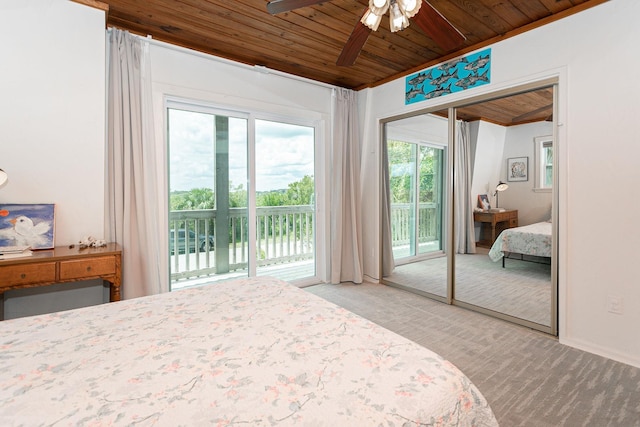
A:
{"x": 27, "y": 225}
{"x": 7, "y": 252}
{"x": 91, "y": 242}
{"x": 493, "y": 223}
{"x": 60, "y": 265}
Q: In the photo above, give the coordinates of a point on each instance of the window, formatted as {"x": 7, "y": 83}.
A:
{"x": 544, "y": 163}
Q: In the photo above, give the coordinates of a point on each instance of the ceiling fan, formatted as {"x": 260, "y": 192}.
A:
{"x": 436, "y": 26}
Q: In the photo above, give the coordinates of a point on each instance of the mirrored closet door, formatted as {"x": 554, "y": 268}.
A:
{"x": 503, "y": 225}
{"x": 490, "y": 203}
{"x": 415, "y": 162}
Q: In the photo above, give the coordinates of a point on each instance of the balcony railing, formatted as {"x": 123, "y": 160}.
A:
{"x": 402, "y": 223}
{"x": 285, "y": 234}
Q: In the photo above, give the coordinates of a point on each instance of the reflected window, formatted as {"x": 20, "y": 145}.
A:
{"x": 544, "y": 163}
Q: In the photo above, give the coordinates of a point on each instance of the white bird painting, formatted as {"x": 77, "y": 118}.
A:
{"x": 27, "y": 225}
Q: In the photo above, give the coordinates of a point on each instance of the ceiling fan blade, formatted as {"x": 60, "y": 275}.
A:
{"x": 438, "y": 28}
{"x": 352, "y": 48}
{"x": 279, "y": 6}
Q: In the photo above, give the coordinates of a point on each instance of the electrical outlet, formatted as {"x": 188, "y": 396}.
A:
{"x": 614, "y": 304}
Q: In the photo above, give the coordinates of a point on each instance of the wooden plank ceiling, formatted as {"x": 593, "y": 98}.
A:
{"x": 307, "y": 42}
{"x": 528, "y": 107}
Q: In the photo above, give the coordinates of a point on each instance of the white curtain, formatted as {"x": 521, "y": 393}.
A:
{"x": 463, "y": 221}
{"x": 346, "y": 226}
{"x": 132, "y": 205}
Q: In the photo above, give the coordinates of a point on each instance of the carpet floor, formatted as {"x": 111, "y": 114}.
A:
{"x": 528, "y": 377}
{"x": 522, "y": 289}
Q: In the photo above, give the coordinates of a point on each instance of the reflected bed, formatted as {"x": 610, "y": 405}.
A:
{"x": 244, "y": 352}
{"x": 533, "y": 240}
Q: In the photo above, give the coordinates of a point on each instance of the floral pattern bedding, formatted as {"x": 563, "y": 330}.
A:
{"x": 534, "y": 239}
{"x": 248, "y": 352}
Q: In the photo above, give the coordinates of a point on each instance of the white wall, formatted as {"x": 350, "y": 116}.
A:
{"x": 52, "y": 111}
{"x": 532, "y": 206}
{"x": 492, "y": 146}
{"x": 185, "y": 73}
{"x": 594, "y": 55}
{"x": 488, "y": 140}
{"x": 426, "y": 128}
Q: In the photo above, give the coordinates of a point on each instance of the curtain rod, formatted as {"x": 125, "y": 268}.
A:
{"x": 257, "y": 68}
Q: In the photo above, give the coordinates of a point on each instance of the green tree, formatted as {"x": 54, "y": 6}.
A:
{"x": 237, "y": 196}
{"x": 301, "y": 192}
{"x": 196, "y": 198}
{"x": 272, "y": 198}
{"x": 402, "y": 159}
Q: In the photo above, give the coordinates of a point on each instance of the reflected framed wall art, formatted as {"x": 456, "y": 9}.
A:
{"x": 518, "y": 169}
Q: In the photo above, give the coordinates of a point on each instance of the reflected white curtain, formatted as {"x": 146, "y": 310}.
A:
{"x": 132, "y": 204}
{"x": 346, "y": 227}
{"x": 463, "y": 220}
{"x": 388, "y": 262}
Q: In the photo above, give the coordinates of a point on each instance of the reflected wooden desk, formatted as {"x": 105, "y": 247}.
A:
{"x": 61, "y": 265}
{"x": 493, "y": 223}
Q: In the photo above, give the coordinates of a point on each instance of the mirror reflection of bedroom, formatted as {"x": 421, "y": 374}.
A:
{"x": 415, "y": 246}
{"x": 500, "y": 248}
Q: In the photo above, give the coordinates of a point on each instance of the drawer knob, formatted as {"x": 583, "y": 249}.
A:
{"x": 23, "y": 276}
{"x": 89, "y": 268}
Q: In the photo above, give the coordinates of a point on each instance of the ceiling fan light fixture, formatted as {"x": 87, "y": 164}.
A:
{"x": 409, "y": 8}
{"x": 397, "y": 20}
{"x": 378, "y": 7}
{"x": 371, "y": 20}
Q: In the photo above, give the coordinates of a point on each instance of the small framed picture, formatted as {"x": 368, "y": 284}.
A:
{"x": 483, "y": 202}
{"x": 518, "y": 169}
{"x": 27, "y": 225}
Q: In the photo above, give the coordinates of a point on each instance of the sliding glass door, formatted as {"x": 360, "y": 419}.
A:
{"x": 285, "y": 199}
{"x": 241, "y": 196}
{"x": 416, "y": 195}
{"x": 208, "y": 174}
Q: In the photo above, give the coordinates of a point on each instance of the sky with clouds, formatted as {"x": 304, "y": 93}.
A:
{"x": 284, "y": 152}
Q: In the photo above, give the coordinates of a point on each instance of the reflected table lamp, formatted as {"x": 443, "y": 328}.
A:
{"x": 3, "y": 177}
{"x": 499, "y": 188}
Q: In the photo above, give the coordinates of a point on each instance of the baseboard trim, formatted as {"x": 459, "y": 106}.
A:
{"x": 627, "y": 359}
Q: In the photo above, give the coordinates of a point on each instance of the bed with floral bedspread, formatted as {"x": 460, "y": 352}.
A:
{"x": 247, "y": 352}
{"x": 533, "y": 239}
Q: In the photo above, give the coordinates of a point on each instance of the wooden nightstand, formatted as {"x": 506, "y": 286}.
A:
{"x": 60, "y": 265}
{"x": 493, "y": 223}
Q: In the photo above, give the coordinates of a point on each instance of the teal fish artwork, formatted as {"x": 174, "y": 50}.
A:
{"x": 452, "y": 76}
